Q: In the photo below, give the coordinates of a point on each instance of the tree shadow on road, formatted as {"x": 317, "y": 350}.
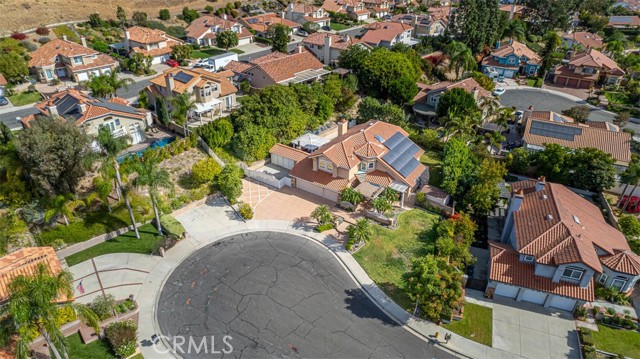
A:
{"x": 361, "y": 306}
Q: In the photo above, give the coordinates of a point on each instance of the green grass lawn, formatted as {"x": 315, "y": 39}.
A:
{"x": 206, "y": 53}
{"x": 99, "y": 349}
{"x": 237, "y": 51}
{"x": 338, "y": 27}
{"x": 434, "y": 161}
{"x": 64, "y": 30}
{"x": 25, "y": 98}
{"x": 389, "y": 253}
{"x": 126, "y": 243}
{"x": 534, "y": 46}
{"x": 617, "y": 341}
{"x": 477, "y": 324}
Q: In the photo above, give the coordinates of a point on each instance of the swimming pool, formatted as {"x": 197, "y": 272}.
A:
{"x": 155, "y": 144}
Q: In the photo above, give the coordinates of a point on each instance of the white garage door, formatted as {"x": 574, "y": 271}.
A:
{"x": 282, "y": 161}
{"x": 563, "y": 303}
{"x": 82, "y": 76}
{"x": 508, "y": 73}
{"x": 506, "y": 290}
{"x": 534, "y": 297}
{"x": 306, "y": 186}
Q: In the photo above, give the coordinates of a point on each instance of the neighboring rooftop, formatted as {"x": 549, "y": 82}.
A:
{"x": 205, "y": 24}
{"x": 469, "y": 85}
{"x": 623, "y": 262}
{"x": 261, "y": 23}
{"x": 184, "y": 79}
{"x": 288, "y": 152}
{"x": 595, "y": 58}
{"x": 281, "y": 67}
{"x": 624, "y": 21}
{"x": 341, "y": 42}
{"x": 47, "y": 53}
{"x": 586, "y": 39}
{"x": 384, "y": 31}
{"x": 517, "y": 48}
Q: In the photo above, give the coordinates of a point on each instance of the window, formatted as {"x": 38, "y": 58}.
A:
{"x": 49, "y": 74}
{"x": 588, "y": 70}
{"x": 363, "y": 167}
{"x": 528, "y": 259}
{"x": 603, "y": 278}
{"x": 77, "y": 59}
{"x": 372, "y": 165}
{"x": 619, "y": 282}
{"x": 204, "y": 92}
{"x": 573, "y": 273}
{"x": 325, "y": 165}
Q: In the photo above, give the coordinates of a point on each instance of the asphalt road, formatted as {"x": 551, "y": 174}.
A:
{"x": 134, "y": 89}
{"x": 521, "y": 99}
{"x": 278, "y": 295}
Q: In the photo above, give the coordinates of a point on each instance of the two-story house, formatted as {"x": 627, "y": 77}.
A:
{"x": 327, "y": 47}
{"x": 587, "y": 69}
{"x": 204, "y": 30}
{"x": 91, "y": 113}
{"x": 426, "y": 100}
{"x": 423, "y": 25}
{"x": 388, "y": 33}
{"x": 378, "y": 8}
{"x": 555, "y": 246}
{"x": 149, "y": 42}
{"x": 63, "y": 59}
{"x": 510, "y": 59}
{"x": 375, "y": 152}
{"x": 301, "y": 66}
{"x": 354, "y": 8}
{"x": 260, "y": 24}
{"x": 304, "y": 13}
{"x": 213, "y": 93}
{"x": 582, "y": 40}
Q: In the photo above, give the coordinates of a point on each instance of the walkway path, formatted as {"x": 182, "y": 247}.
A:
{"x": 209, "y": 223}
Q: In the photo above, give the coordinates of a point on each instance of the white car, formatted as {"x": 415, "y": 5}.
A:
{"x": 498, "y": 92}
{"x": 303, "y": 33}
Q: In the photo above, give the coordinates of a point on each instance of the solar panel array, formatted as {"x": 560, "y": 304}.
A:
{"x": 621, "y": 19}
{"x": 554, "y": 130}
{"x": 117, "y": 107}
{"x": 401, "y": 154}
{"x": 183, "y": 77}
{"x": 379, "y": 138}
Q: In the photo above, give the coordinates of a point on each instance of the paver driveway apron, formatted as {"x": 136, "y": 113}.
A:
{"x": 278, "y": 294}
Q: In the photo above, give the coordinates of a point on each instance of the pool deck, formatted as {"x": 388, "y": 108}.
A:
{"x": 151, "y": 137}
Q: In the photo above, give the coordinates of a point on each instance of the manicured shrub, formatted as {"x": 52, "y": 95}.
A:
{"x": 18, "y": 36}
{"x": 103, "y": 306}
{"x": 205, "y": 170}
{"x": 324, "y": 227}
{"x": 585, "y": 336}
{"x": 611, "y": 311}
{"x": 42, "y": 30}
{"x": 172, "y": 226}
{"x": 122, "y": 337}
{"x": 164, "y": 14}
{"x": 66, "y": 314}
{"x": 43, "y": 40}
{"x": 245, "y": 210}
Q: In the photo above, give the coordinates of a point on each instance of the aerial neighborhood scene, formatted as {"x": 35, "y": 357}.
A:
{"x": 320, "y": 179}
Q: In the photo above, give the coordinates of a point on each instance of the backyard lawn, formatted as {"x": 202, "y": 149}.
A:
{"x": 99, "y": 349}
{"x": 206, "y": 53}
{"x": 64, "y": 30}
{"x": 617, "y": 341}
{"x": 24, "y": 98}
{"x": 434, "y": 161}
{"x": 476, "y": 325}
{"x": 389, "y": 253}
{"x": 237, "y": 51}
{"x": 338, "y": 27}
{"x": 125, "y": 243}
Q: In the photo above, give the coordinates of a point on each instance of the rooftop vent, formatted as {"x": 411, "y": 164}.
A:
{"x": 543, "y": 197}
{"x": 576, "y": 219}
{"x": 548, "y": 217}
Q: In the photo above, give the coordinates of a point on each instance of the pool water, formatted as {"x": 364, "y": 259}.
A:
{"x": 155, "y": 144}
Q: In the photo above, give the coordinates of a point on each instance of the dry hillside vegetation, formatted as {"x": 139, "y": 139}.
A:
{"x": 20, "y": 15}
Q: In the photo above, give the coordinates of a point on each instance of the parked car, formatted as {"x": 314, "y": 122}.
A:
{"x": 387, "y": 17}
{"x": 3, "y": 101}
{"x": 201, "y": 63}
{"x": 518, "y": 115}
{"x": 326, "y": 28}
{"x": 501, "y": 78}
{"x": 209, "y": 67}
{"x": 303, "y": 33}
{"x": 172, "y": 63}
{"x": 498, "y": 91}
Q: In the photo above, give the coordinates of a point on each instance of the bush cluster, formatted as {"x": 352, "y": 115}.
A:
{"x": 122, "y": 337}
{"x": 245, "y": 210}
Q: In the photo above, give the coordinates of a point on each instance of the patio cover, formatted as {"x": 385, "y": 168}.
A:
{"x": 369, "y": 190}
{"x": 306, "y": 75}
{"x": 206, "y": 107}
{"x": 398, "y": 187}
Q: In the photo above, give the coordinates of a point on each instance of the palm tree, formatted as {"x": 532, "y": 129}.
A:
{"x": 495, "y": 140}
{"x": 361, "y": 231}
{"x": 504, "y": 115}
{"x": 154, "y": 178}
{"x": 462, "y": 123}
{"x": 460, "y": 57}
{"x": 322, "y": 214}
{"x": 490, "y": 105}
{"x": 99, "y": 86}
{"x": 32, "y": 305}
{"x": 117, "y": 83}
{"x": 102, "y": 189}
{"x": 516, "y": 29}
{"x": 63, "y": 205}
{"x": 181, "y": 104}
{"x": 111, "y": 146}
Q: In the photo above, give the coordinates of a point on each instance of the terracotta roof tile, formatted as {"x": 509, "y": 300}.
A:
{"x": 506, "y": 267}
{"x": 469, "y": 85}
{"x": 623, "y": 262}
{"x": 261, "y": 23}
{"x": 280, "y": 67}
{"x": 384, "y": 31}
{"x": 586, "y": 39}
{"x": 3, "y": 81}
{"x": 197, "y": 76}
{"x": 304, "y": 170}
{"x": 508, "y": 7}
{"x": 145, "y": 35}
{"x": 46, "y": 54}
{"x": 211, "y": 25}
{"x": 288, "y": 152}
{"x": 237, "y": 66}
{"x": 595, "y": 58}
{"x": 378, "y": 177}
{"x": 617, "y": 144}
{"x": 517, "y": 48}
{"x": 337, "y": 41}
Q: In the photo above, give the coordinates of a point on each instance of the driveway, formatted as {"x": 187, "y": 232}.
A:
{"x": 278, "y": 295}
{"x": 532, "y": 331}
{"x": 550, "y": 100}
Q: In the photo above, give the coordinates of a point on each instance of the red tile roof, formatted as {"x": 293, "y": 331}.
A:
{"x": 288, "y": 152}
{"x": 198, "y": 75}
{"x": 304, "y": 170}
{"x": 469, "y": 85}
{"x": 3, "y": 81}
{"x": 384, "y": 31}
{"x": 261, "y": 23}
{"x": 586, "y": 39}
{"x": 623, "y": 262}
{"x": 517, "y": 48}
{"x": 557, "y": 226}
{"x": 280, "y": 67}
{"x": 204, "y": 24}
{"x": 339, "y": 42}
{"x": 595, "y": 58}
{"x": 506, "y": 267}
{"x": 145, "y": 35}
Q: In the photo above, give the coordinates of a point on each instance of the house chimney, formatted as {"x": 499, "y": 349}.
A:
{"x": 475, "y": 93}
{"x": 540, "y": 184}
{"x": 497, "y": 44}
{"x": 414, "y": 20}
{"x": 343, "y": 126}
{"x": 508, "y": 229}
{"x": 326, "y": 50}
{"x": 299, "y": 49}
{"x": 84, "y": 41}
{"x": 169, "y": 82}
{"x": 52, "y": 109}
{"x": 224, "y": 16}
{"x": 526, "y": 115}
{"x": 64, "y": 37}
{"x": 82, "y": 107}
{"x": 513, "y": 11}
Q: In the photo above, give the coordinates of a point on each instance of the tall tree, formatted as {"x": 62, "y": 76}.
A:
{"x": 549, "y": 55}
{"x": 227, "y": 39}
{"x": 279, "y": 37}
{"x": 457, "y": 166}
{"x": 456, "y": 100}
{"x": 182, "y": 104}
{"x": 460, "y": 57}
{"x": 484, "y": 193}
{"x": 121, "y": 16}
{"x": 32, "y": 305}
{"x": 55, "y": 154}
{"x": 389, "y": 75}
{"x": 111, "y": 147}
{"x": 592, "y": 169}
{"x": 353, "y": 57}
{"x": 516, "y": 29}
{"x": 434, "y": 285}
{"x": 477, "y": 23}
{"x": 153, "y": 178}
{"x": 546, "y": 15}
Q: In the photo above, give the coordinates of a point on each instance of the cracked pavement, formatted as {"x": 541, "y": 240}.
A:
{"x": 278, "y": 295}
